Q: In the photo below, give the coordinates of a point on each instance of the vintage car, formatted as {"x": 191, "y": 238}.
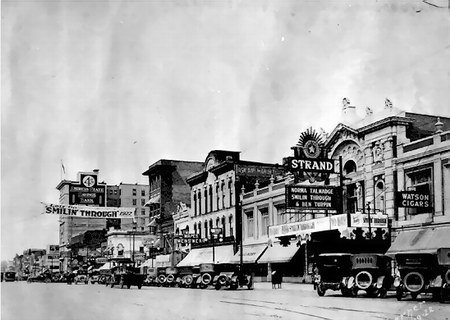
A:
{"x": 160, "y": 276}
{"x": 225, "y": 279}
{"x": 151, "y": 276}
{"x": 127, "y": 276}
{"x": 171, "y": 277}
{"x": 184, "y": 278}
{"x": 416, "y": 274}
{"x": 9, "y": 276}
{"x": 191, "y": 280}
{"x": 443, "y": 281}
{"x": 372, "y": 273}
{"x": 41, "y": 277}
{"x": 206, "y": 275}
{"x": 81, "y": 276}
{"x": 94, "y": 277}
{"x": 335, "y": 273}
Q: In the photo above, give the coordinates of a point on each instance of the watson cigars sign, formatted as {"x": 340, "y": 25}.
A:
{"x": 413, "y": 199}
{"x": 88, "y": 212}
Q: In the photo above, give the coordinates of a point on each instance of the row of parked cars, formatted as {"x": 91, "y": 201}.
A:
{"x": 202, "y": 276}
{"x": 376, "y": 274}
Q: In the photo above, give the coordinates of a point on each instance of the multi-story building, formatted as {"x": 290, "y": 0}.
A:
{"x": 168, "y": 188}
{"x": 135, "y": 196}
{"x": 75, "y": 232}
{"x": 215, "y": 205}
{"x": 384, "y": 155}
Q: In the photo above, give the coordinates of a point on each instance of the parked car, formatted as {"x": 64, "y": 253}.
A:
{"x": 151, "y": 276}
{"x": 206, "y": 275}
{"x": 171, "y": 277}
{"x": 94, "y": 277}
{"x": 184, "y": 277}
{"x": 371, "y": 273}
{"x": 160, "y": 276}
{"x": 443, "y": 255}
{"x": 41, "y": 277}
{"x": 9, "y": 276}
{"x": 81, "y": 276}
{"x": 417, "y": 273}
{"x": 335, "y": 273}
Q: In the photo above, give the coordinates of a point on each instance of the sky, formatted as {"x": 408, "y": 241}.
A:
{"x": 117, "y": 85}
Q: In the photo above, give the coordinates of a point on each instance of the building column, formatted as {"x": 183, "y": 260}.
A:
{"x": 437, "y": 182}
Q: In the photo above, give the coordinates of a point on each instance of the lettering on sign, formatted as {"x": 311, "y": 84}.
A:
{"x": 87, "y": 192}
{"x": 89, "y": 212}
{"x": 313, "y": 198}
{"x": 413, "y": 199}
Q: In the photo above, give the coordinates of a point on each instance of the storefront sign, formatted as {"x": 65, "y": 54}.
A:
{"x": 88, "y": 212}
{"x": 303, "y": 227}
{"x": 362, "y": 220}
{"x": 88, "y": 191}
{"x": 312, "y": 165}
{"x": 257, "y": 171}
{"x": 413, "y": 199}
{"x": 313, "y": 198}
{"x": 101, "y": 260}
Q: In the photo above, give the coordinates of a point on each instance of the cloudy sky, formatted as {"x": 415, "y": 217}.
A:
{"x": 117, "y": 85}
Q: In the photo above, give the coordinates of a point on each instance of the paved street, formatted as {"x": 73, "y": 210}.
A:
{"x": 21, "y": 300}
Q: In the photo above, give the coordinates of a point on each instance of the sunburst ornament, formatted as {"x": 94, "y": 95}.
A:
{"x": 311, "y": 143}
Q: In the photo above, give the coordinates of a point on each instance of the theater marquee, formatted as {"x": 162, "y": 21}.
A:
{"x": 88, "y": 212}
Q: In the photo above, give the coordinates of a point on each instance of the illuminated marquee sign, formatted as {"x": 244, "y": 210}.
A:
{"x": 313, "y": 198}
{"x": 88, "y": 192}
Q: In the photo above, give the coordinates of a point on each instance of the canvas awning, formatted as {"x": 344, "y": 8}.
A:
{"x": 148, "y": 263}
{"x": 251, "y": 253}
{"x": 105, "y": 267}
{"x": 154, "y": 200}
{"x": 426, "y": 240}
{"x": 222, "y": 254}
{"x": 276, "y": 253}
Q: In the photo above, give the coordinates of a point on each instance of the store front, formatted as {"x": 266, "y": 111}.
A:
{"x": 216, "y": 255}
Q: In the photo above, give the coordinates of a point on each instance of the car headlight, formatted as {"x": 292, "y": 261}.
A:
{"x": 397, "y": 282}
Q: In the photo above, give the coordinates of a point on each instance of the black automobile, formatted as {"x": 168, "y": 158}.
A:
{"x": 207, "y": 274}
{"x": 41, "y": 277}
{"x": 443, "y": 280}
{"x": 185, "y": 277}
{"x": 9, "y": 276}
{"x": 372, "y": 273}
{"x": 416, "y": 274}
{"x": 335, "y": 273}
{"x": 171, "y": 277}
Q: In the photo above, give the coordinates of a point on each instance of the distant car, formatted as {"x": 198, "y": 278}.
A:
{"x": 41, "y": 277}
{"x": 94, "y": 278}
{"x": 10, "y": 276}
{"x": 81, "y": 276}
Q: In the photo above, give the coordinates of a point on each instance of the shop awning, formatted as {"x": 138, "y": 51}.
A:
{"x": 426, "y": 240}
{"x": 276, "y": 253}
{"x": 154, "y": 200}
{"x": 222, "y": 254}
{"x": 148, "y": 263}
{"x": 251, "y": 253}
{"x": 106, "y": 266}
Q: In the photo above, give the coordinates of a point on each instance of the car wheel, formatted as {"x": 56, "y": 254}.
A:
{"x": 320, "y": 290}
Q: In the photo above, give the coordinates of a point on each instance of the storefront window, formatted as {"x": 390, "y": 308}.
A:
{"x": 250, "y": 224}
{"x": 264, "y": 220}
{"x": 419, "y": 181}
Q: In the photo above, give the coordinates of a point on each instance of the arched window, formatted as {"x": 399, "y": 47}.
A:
{"x": 177, "y": 231}
{"x": 205, "y": 193}
{"x": 199, "y": 229}
{"x": 199, "y": 197}
{"x": 195, "y": 204}
{"x": 195, "y": 228}
{"x": 210, "y": 199}
{"x": 349, "y": 167}
{"x": 379, "y": 196}
{"x": 217, "y": 222}
{"x": 206, "y": 229}
{"x": 187, "y": 229}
